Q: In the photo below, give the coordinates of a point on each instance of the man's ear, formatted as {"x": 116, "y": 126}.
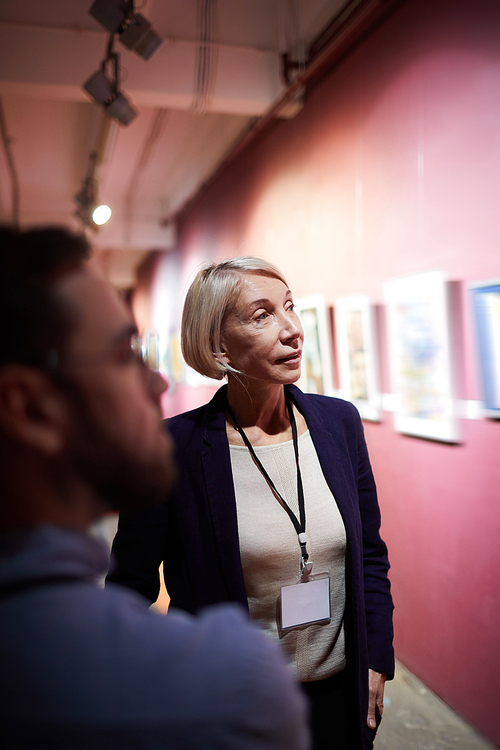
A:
{"x": 32, "y": 411}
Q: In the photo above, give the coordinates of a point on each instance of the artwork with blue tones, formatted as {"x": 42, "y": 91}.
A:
{"x": 418, "y": 329}
{"x": 486, "y": 305}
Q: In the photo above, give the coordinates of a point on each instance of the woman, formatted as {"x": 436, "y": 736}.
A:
{"x": 275, "y": 506}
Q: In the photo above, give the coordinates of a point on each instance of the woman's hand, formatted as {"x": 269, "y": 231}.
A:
{"x": 376, "y": 683}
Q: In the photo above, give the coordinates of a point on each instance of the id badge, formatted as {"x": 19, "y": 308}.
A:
{"x": 305, "y": 602}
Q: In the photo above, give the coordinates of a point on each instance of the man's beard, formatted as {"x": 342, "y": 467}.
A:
{"x": 121, "y": 482}
{"x": 122, "y": 478}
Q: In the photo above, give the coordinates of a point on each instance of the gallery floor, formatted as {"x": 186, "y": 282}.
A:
{"x": 416, "y": 719}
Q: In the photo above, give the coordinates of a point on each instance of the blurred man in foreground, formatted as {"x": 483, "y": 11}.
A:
{"x": 81, "y": 435}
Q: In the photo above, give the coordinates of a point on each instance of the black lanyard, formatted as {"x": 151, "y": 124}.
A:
{"x": 300, "y": 526}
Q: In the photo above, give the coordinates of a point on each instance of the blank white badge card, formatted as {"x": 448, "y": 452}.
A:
{"x": 305, "y": 603}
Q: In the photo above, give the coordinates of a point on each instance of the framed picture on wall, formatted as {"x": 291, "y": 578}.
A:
{"x": 418, "y": 327}
{"x": 316, "y": 376}
{"x": 486, "y": 305}
{"x": 357, "y": 355}
{"x": 173, "y": 363}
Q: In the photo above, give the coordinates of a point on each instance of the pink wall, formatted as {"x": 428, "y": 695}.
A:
{"x": 392, "y": 168}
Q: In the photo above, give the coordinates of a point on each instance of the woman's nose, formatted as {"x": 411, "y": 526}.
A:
{"x": 291, "y": 328}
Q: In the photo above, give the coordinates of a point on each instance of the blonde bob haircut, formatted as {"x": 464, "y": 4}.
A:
{"x": 210, "y": 298}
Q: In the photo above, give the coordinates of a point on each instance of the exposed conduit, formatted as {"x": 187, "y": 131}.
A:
{"x": 206, "y": 56}
{"x": 352, "y": 31}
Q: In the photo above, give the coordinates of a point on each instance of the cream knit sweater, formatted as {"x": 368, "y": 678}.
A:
{"x": 270, "y": 551}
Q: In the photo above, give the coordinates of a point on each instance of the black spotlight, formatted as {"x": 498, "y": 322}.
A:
{"x": 133, "y": 29}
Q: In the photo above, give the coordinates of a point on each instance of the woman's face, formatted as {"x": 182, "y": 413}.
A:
{"x": 262, "y": 337}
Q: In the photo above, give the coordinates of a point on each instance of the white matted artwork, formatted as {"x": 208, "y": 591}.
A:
{"x": 177, "y": 371}
{"x": 357, "y": 355}
{"x": 486, "y": 303}
{"x": 316, "y": 375}
{"x": 418, "y": 324}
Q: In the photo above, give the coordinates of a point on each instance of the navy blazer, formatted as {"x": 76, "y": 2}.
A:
{"x": 195, "y": 534}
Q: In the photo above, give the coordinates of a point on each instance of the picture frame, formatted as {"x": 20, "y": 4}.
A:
{"x": 173, "y": 366}
{"x": 357, "y": 355}
{"x": 420, "y": 359}
{"x": 317, "y": 356}
{"x": 485, "y": 297}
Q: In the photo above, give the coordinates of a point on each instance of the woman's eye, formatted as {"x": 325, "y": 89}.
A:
{"x": 262, "y": 316}
{"x": 291, "y": 307}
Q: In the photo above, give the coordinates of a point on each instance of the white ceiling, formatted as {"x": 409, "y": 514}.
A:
{"x": 148, "y": 170}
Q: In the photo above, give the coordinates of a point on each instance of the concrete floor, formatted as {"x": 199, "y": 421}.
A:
{"x": 416, "y": 719}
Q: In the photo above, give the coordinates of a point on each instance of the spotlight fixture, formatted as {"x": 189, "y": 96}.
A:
{"x": 105, "y": 90}
{"x": 133, "y": 29}
{"x": 90, "y": 214}
{"x": 101, "y": 214}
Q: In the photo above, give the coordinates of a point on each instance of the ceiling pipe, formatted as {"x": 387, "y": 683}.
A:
{"x": 363, "y": 19}
{"x": 168, "y": 40}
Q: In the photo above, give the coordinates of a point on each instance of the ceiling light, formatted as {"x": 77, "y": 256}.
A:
{"x": 140, "y": 37}
{"x": 110, "y": 13}
{"x": 88, "y": 211}
{"x": 105, "y": 90}
{"x": 133, "y": 29}
{"x": 120, "y": 109}
{"x": 84, "y": 211}
{"x": 100, "y": 88}
{"x": 101, "y": 214}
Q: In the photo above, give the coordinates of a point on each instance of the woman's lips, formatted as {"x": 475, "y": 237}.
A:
{"x": 295, "y": 357}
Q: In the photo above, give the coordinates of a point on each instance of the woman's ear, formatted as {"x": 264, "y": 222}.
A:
{"x": 223, "y": 354}
{"x": 33, "y": 413}
{"x": 220, "y": 358}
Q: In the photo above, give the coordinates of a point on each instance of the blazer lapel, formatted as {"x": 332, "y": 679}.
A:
{"x": 332, "y": 461}
{"x": 217, "y": 471}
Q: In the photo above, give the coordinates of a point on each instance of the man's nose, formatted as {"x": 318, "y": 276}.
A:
{"x": 157, "y": 384}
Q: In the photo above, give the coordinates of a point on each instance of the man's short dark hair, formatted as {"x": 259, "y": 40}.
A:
{"x": 34, "y": 320}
